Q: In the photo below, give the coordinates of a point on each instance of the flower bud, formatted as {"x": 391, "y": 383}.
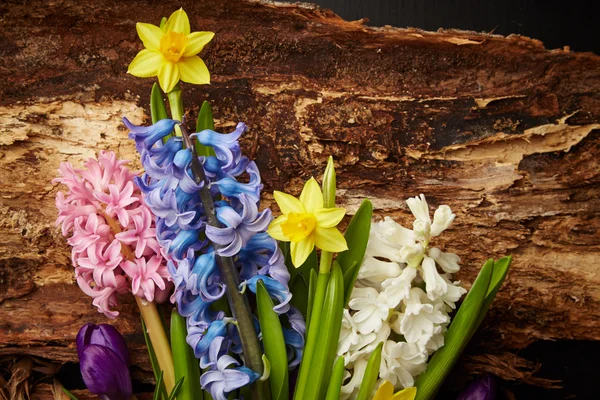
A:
{"x": 104, "y": 361}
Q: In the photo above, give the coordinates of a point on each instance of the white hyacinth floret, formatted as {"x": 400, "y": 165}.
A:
{"x": 400, "y": 299}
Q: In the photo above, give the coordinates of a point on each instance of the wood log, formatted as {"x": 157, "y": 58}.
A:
{"x": 499, "y": 128}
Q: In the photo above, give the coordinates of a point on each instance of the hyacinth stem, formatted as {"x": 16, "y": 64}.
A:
{"x": 154, "y": 326}
{"x": 312, "y": 336}
{"x": 159, "y": 339}
{"x": 238, "y": 303}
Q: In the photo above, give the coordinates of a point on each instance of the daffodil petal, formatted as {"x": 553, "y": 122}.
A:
{"x": 196, "y": 42}
{"x": 311, "y": 196}
{"x": 287, "y": 203}
{"x": 406, "y": 394}
{"x": 301, "y": 250}
{"x": 168, "y": 76}
{"x": 145, "y": 64}
{"x": 385, "y": 391}
{"x": 178, "y": 22}
{"x": 329, "y": 217}
{"x": 330, "y": 239}
{"x": 275, "y": 231}
{"x": 150, "y": 35}
{"x": 193, "y": 70}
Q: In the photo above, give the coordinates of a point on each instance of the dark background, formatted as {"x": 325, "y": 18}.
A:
{"x": 573, "y": 23}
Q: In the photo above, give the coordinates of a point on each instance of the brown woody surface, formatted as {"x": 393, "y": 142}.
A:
{"x": 501, "y": 129}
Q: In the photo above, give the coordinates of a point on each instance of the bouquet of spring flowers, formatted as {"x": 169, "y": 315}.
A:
{"x": 264, "y": 307}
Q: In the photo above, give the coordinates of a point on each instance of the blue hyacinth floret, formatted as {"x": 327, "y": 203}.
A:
{"x": 189, "y": 244}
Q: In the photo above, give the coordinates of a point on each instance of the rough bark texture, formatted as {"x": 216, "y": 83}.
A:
{"x": 501, "y": 129}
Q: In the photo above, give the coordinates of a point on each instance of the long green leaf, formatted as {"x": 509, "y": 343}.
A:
{"x": 350, "y": 277}
{"x": 71, "y": 395}
{"x": 273, "y": 342}
{"x": 205, "y": 121}
{"x": 312, "y": 288}
{"x": 329, "y": 333}
{"x": 184, "y": 361}
{"x": 177, "y": 389}
{"x": 357, "y": 237}
{"x": 457, "y": 336}
{"x": 158, "y": 110}
{"x": 299, "y": 289}
{"x": 159, "y": 383}
{"x": 371, "y": 374}
{"x": 337, "y": 377}
{"x": 501, "y": 268}
{"x": 160, "y": 387}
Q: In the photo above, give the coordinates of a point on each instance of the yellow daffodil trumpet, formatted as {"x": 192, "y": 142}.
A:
{"x": 171, "y": 53}
{"x": 386, "y": 392}
{"x": 306, "y": 223}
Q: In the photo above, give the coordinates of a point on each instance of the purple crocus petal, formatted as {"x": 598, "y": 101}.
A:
{"x": 481, "y": 389}
{"x": 146, "y": 136}
{"x": 102, "y": 335}
{"x": 105, "y": 373}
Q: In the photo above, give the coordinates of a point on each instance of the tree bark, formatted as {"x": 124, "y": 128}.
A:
{"x": 502, "y": 130}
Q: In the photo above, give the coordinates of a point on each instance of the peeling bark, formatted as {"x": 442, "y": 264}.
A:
{"x": 499, "y": 128}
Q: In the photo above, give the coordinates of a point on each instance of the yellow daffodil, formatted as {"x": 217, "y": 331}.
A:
{"x": 305, "y": 223}
{"x": 386, "y": 392}
{"x": 170, "y": 53}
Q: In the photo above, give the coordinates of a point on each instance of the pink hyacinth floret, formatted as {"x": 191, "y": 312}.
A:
{"x": 112, "y": 233}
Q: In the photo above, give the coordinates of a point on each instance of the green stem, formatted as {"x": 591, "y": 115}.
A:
{"x": 176, "y": 106}
{"x": 312, "y": 336}
{"x": 159, "y": 340}
{"x": 237, "y": 301}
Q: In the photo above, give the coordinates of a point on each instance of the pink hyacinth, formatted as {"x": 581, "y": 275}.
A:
{"x": 112, "y": 233}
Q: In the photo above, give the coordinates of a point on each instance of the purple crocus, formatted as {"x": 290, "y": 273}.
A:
{"x": 104, "y": 361}
{"x": 481, "y": 389}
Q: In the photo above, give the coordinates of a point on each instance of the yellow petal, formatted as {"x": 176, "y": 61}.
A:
{"x": 330, "y": 239}
{"x": 385, "y": 391}
{"x": 196, "y": 42}
{"x": 406, "y": 394}
{"x": 311, "y": 196}
{"x": 329, "y": 217}
{"x": 193, "y": 70}
{"x": 301, "y": 250}
{"x": 145, "y": 64}
{"x": 168, "y": 76}
{"x": 150, "y": 35}
{"x": 287, "y": 203}
{"x": 275, "y": 231}
{"x": 178, "y": 22}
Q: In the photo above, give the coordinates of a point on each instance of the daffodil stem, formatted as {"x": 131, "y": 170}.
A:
{"x": 325, "y": 262}
{"x": 176, "y": 105}
{"x": 159, "y": 340}
{"x": 237, "y": 301}
{"x": 312, "y": 336}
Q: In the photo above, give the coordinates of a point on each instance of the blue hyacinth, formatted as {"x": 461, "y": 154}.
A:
{"x": 172, "y": 194}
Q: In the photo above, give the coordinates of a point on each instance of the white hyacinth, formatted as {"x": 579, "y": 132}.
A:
{"x": 400, "y": 299}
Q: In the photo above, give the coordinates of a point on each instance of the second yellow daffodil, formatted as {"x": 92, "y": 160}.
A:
{"x": 386, "y": 392}
{"x": 306, "y": 223}
{"x": 171, "y": 53}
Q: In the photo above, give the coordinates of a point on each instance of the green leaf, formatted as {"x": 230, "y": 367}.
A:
{"x": 159, "y": 383}
{"x": 312, "y": 287}
{"x": 329, "y": 332}
{"x": 160, "y": 387}
{"x": 71, "y": 395}
{"x": 177, "y": 389}
{"x": 337, "y": 377}
{"x": 158, "y": 110}
{"x": 350, "y": 277}
{"x": 205, "y": 121}
{"x": 501, "y": 268}
{"x": 357, "y": 237}
{"x": 371, "y": 374}
{"x": 329, "y": 184}
{"x": 299, "y": 289}
{"x": 457, "y": 337}
{"x": 184, "y": 361}
{"x": 273, "y": 342}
